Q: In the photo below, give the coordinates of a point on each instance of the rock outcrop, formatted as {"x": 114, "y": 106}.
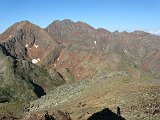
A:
{"x": 55, "y": 115}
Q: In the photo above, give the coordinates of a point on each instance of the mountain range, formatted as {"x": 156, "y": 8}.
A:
{"x": 51, "y": 64}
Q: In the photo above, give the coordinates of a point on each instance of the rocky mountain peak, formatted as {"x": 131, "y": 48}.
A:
{"x": 24, "y": 49}
{"x": 67, "y": 21}
{"x": 25, "y": 40}
{"x": 17, "y": 28}
{"x": 83, "y": 24}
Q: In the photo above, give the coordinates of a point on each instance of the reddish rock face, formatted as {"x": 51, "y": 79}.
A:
{"x": 86, "y": 52}
{"x": 86, "y": 49}
{"x": 25, "y": 40}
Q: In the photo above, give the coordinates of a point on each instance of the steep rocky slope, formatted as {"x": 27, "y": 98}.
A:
{"x": 24, "y": 49}
{"x": 12, "y": 87}
{"x": 25, "y": 40}
{"x": 86, "y": 49}
{"x": 137, "y": 99}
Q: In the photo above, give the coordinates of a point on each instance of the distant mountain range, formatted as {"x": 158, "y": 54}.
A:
{"x": 155, "y": 32}
{"x": 35, "y": 61}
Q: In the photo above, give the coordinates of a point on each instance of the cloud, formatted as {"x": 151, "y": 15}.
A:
{"x": 157, "y": 32}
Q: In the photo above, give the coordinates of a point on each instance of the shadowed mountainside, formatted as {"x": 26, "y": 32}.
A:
{"x": 23, "y": 47}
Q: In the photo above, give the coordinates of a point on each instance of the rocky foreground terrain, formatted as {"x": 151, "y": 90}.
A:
{"x": 72, "y": 71}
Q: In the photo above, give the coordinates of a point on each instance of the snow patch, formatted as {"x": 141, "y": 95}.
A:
{"x": 34, "y": 61}
{"x": 38, "y": 59}
{"x": 26, "y": 45}
{"x": 10, "y": 36}
{"x": 36, "y": 46}
{"x": 95, "y": 42}
{"x": 140, "y": 37}
{"x": 125, "y": 50}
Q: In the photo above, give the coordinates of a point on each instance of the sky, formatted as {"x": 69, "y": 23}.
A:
{"x": 122, "y": 15}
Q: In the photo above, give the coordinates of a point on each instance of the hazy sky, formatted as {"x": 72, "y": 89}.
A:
{"x": 110, "y": 14}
